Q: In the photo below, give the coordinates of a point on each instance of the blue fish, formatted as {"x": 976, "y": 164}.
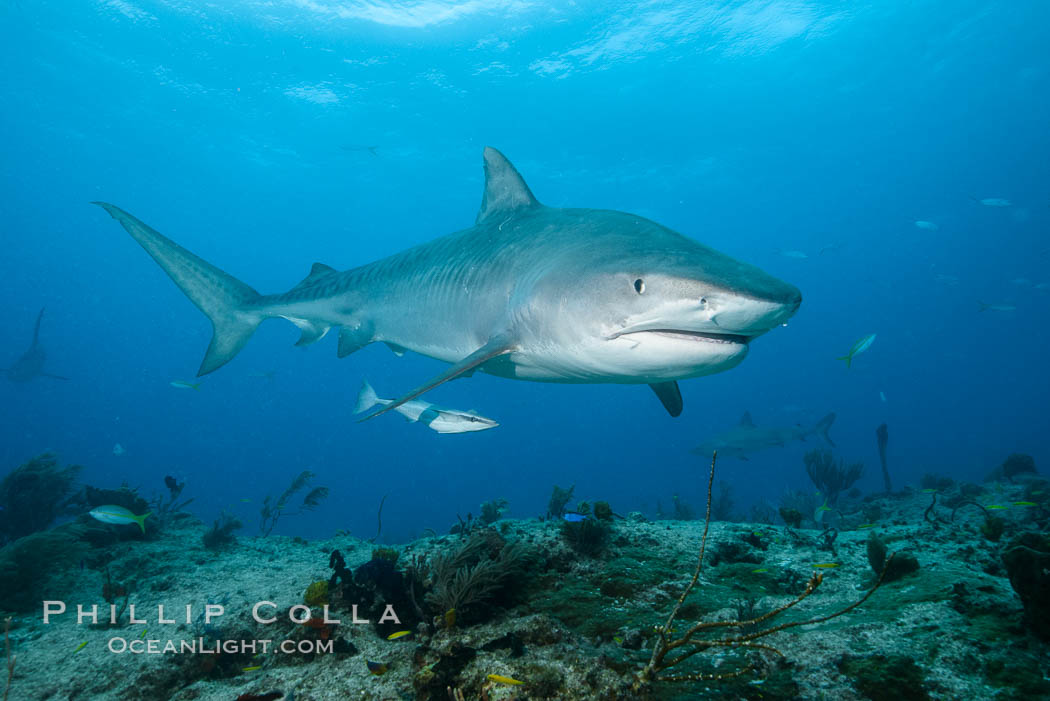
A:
{"x": 574, "y": 517}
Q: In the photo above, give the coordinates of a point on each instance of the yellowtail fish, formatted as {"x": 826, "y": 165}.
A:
{"x": 867, "y": 525}
{"x": 246, "y": 501}
{"x": 182, "y": 384}
{"x": 858, "y": 348}
{"x": 500, "y": 679}
{"x": 398, "y": 634}
{"x": 143, "y": 633}
{"x": 762, "y": 570}
{"x": 376, "y": 668}
{"x": 111, "y": 513}
{"x": 995, "y": 506}
{"x": 826, "y": 565}
{"x": 252, "y": 668}
{"x": 81, "y": 646}
{"x": 616, "y": 639}
{"x": 929, "y": 491}
{"x": 1025, "y": 503}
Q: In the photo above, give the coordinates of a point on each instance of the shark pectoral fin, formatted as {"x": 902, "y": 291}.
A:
{"x": 498, "y": 346}
{"x": 670, "y": 396}
{"x": 353, "y": 339}
{"x": 427, "y": 417}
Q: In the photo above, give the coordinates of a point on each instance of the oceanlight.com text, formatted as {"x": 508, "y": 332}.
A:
{"x": 201, "y": 646}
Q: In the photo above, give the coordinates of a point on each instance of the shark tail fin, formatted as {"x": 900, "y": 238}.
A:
{"x": 982, "y": 307}
{"x": 366, "y": 398}
{"x": 823, "y": 426}
{"x": 224, "y": 299}
{"x": 848, "y": 359}
{"x": 140, "y": 520}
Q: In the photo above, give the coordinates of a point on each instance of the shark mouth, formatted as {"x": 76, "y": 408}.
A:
{"x": 699, "y": 336}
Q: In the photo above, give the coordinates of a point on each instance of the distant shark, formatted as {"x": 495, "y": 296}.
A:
{"x": 529, "y": 292}
{"x": 746, "y": 438}
{"x": 31, "y": 364}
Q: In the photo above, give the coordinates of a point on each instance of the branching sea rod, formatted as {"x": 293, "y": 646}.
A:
{"x": 669, "y": 652}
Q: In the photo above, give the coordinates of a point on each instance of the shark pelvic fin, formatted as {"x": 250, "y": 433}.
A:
{"x": 353, "y": 339}
{"x": 397, "y": 350}
{"x": 505, "y": 189}
{"x": 497, "y": 346}
{"x": 223, "y": 298}
{"x": 670, "y": 396}
{"x": 312, "y": 331}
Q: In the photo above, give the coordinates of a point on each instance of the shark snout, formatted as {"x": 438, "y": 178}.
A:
{"x": 752, "y": 317}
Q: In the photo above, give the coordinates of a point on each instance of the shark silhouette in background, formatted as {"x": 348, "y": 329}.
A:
{"x": 31, "y": 364}
{"x": 529, "y": 292}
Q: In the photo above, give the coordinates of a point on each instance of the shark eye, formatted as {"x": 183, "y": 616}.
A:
{"x": 639, "y": 286}
{"x": 703, "y": 302}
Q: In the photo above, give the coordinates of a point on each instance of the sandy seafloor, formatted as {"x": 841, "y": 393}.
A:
{"x": 952, "y": 630}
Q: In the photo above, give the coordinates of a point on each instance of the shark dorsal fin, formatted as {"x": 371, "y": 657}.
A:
{"x": 317, "y": 270}
{"x": 746, "y": 421}
{"x": 505, "y": 190}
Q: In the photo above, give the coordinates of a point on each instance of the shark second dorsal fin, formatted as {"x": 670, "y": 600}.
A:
{"x": 317, "y": 271}
{"x": 745, "y": 420}
{"x": 505, "y": 190}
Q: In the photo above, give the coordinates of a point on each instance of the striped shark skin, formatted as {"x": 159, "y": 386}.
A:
{"x": 529, "y": 292}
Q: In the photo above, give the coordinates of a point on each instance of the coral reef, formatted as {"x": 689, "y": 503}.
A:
{"x": 274, "y": 508}
{"x": 830, "y": 476}
{"x": 33, "y": 495}
{"x": 1027, "y": 561}
{"x": 220, "y": 535}
{"x": 559, "y": 500}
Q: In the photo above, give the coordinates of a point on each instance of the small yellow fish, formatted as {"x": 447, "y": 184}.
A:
{"x": 824, "y": 507}
{"x": 995, "y": 506}
{"x": 246, "y": 501}
{"x": 929, "y": 491}
{"x": 1025, "y": 503}
{"x": 867, "y": 525}
{"x": 252, "y": 668}
{"x": 759, "y": 571}
{"x": 500, "y": 679}
{"x": 398, "y": 634}
{"x": 826, "y": 565}
{"x": 81, "y": 646}
{"x": 616, "y": 639}
{"x": 376, "y": 668}
{"x": 143, "y": 633}
{"x": 450, "y": 618}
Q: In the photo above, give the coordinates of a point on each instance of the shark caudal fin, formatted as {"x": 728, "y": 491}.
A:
{"x": 848, "y": 359}
{"x": 822, "y": 427}
{"x": 366, "y": 398}
{"x": 223, "y": 298}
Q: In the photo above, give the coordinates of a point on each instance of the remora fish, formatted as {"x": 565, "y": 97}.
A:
{"x": 529, "y": 292}
{"x": 434, "y": 417}
{"x": 31, "y": 364}
{"x": 746, "y": 438}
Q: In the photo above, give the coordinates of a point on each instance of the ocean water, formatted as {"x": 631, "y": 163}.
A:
{"x": 267, "y": 136}
{"x": 890, "y": 159}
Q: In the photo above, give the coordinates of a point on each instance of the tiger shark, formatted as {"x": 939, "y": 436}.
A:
{"x": 529, "y": 292}
{"x": 31, "y": 364}
{"x": 746, "y": 438}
